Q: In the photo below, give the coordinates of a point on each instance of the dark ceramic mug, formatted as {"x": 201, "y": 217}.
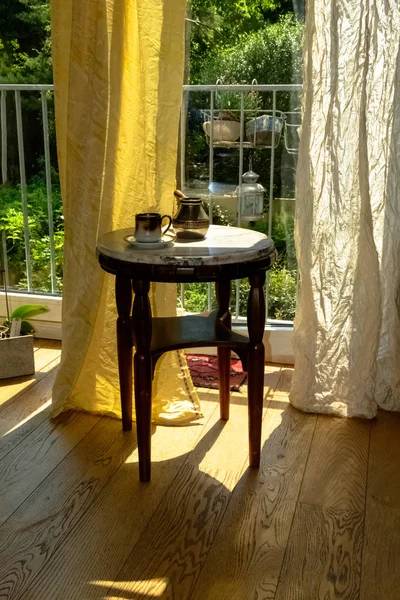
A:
{"x": 149, "y": 227}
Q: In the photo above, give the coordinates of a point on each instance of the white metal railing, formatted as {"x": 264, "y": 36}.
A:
{"x": 292, "y": 125}
{"x": 7, "y": 90}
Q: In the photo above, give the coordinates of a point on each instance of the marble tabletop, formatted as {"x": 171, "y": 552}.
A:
{"x": 222, "y": 245}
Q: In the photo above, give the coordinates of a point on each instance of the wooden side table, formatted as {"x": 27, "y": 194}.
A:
{"x": 226, "y": 254}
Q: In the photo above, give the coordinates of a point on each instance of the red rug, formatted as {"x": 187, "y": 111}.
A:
{"x": 204, "y": 372}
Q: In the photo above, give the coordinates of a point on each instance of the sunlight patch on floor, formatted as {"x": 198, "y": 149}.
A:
{"x": 132, "y": 458}
{"x": 28, "y": 418}
{"x": 155, "y": 588}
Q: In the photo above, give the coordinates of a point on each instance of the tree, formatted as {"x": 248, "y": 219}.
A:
{"x": 271, "y": 55}
{"x": 216, "y": 25}
{"x": 25, "y": 41}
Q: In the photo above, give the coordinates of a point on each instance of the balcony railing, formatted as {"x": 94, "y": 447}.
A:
{"x": 10, "y": 94}
{"x": 209, "y": 166}
{"x": 276, "y": 107}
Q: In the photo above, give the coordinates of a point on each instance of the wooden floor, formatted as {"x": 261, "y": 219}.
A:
{"x": 320, "y": 520}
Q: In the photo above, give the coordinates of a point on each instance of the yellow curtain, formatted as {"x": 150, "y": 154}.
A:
{"x": 118, "y": 70}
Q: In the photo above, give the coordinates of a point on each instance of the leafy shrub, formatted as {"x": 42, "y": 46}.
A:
{"x": 11, "y": 220}
{"x": 271, "y": 55}
{"x": 282, "y": 233}
{"x": 216, "y": 25}
{"x": 282, "y": 293}
{"x": 196, "y": 297}
{"x": 282, "y": 277}
{"x": 281, "y": 300}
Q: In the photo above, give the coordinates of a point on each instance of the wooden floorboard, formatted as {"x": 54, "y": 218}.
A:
{"x": 320, "y": 520}
{"x": 381, "y": 554}
{"x": 24, "y": 468}
{"x": 25, "y": 402}
{"x": 323, "y": 556}
{"x": 47, "y": 357}
{"x": 380, "y": 575}
{"x": 20, "y": 418}
{"x": 100, "y": 544}
{"x": 29, "y": 538}
{"x": 336, "y": 473}
{"x": 188, "y": 518}
{"x": 249, "y": 548}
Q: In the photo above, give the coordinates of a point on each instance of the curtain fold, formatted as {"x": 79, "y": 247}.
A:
{"x": 347, "y": 329}
{"x": 118, "y": 70}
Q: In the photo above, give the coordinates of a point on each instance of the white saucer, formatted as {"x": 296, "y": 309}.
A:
{"x": 166, "y": 241}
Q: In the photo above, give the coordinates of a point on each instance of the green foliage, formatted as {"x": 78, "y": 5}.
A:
{"x": 25, "y": 57}
{"x": 27, "y": 311}
{"x": 235, "y": 40}
{"x": 215, "y": 25}
{"x": 271, "y": 55}
{"x": 281, "y": 298}
{"x": 282, "y": 293}
{"x": 196, "y": 297}
{"x": 220, "y": 216}
{"x": 282, "y": 232}
{"x": 27, "y": 328}
{"x": 25, "y": 49}
{"x": 282, "y": 277}
{"x": 11, "y": 220}
{"x": 197, "y": 152}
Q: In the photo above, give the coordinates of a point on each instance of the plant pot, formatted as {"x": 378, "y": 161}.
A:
{"x": 16, "y": 356}
{"x": 224, "y": 131}
{"x": 259, "y": 130}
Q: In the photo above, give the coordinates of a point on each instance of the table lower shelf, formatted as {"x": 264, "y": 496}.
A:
{"x": 173, "y": 333}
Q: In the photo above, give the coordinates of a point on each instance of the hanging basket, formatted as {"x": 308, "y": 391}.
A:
{"x": 224, "y": 131}
{"x": 260, "y": 129}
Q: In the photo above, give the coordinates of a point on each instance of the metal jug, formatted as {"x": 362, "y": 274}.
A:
{"x": 191, "y": 221}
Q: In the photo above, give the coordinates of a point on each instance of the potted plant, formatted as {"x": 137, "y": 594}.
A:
{"x": 16, "y": 342}
{"x": 259, "y": 129}
{"x": 16, "y": 338}
{"x": 226, "y": 125}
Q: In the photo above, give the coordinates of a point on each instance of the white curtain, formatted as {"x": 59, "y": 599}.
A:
{"x": 347, "y": 329}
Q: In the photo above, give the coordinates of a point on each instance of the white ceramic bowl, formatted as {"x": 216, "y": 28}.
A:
{"x": 224, "y": 131}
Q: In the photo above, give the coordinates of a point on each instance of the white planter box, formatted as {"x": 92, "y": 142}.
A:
{"x": 16, "y": 356}
{"x": 223, "y": 131}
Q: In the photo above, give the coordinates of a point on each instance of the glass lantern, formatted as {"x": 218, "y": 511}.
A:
{"x": 251, "y": 197}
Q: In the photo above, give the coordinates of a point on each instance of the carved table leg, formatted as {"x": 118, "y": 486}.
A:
{"x": 141, "y": 319}
{"x": 223, "y": 292}
{"x": 123, "y": 294}
{"x": 256, "y": 360}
